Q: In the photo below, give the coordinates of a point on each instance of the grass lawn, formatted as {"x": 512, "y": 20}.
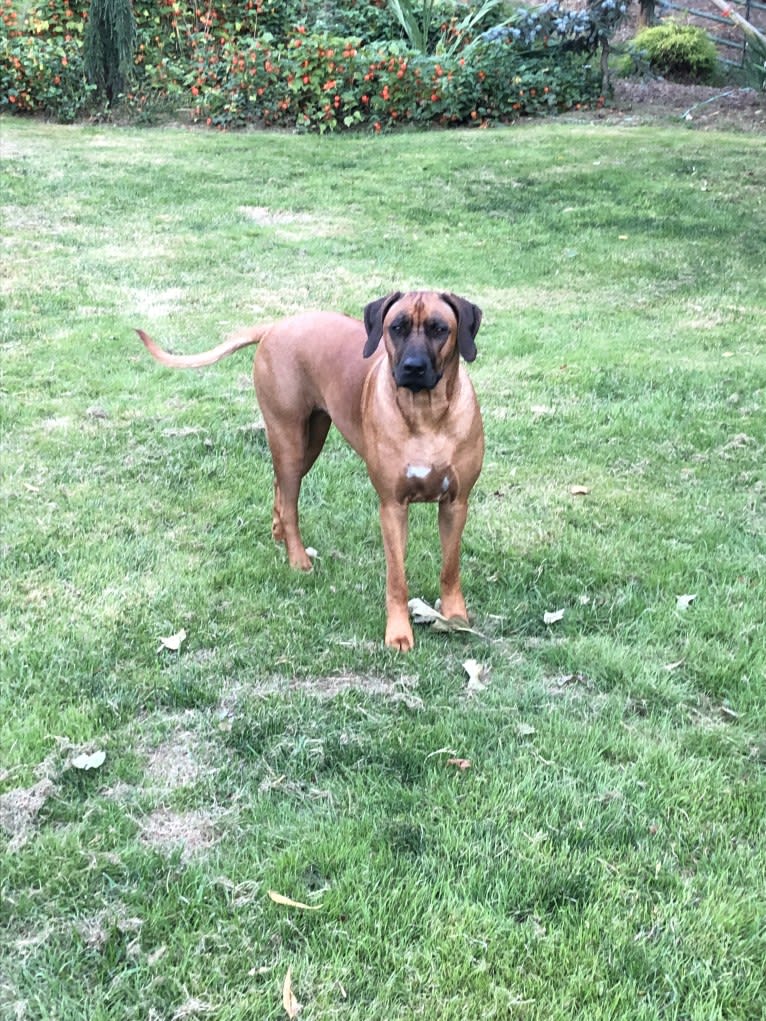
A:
{"x": 603, "y": 855}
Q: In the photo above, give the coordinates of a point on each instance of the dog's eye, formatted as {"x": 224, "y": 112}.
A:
{"x": 400, "y": 327}
{"x": 437, "y": 329}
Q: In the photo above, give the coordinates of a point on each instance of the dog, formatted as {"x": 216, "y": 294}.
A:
{"x": 406, "y": 406}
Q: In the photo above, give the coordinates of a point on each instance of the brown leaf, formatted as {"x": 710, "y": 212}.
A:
{"x": 279, "y": 898}
{"x": 459, "y": 763}
{"x": 422, "y": 613}
{"x": 291, "y": 1005}
{"x": 670, "y": 667}
{"x": 579, "y": 490}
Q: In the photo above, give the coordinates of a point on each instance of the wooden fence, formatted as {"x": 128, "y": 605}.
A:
{"x": 732, "y": 45}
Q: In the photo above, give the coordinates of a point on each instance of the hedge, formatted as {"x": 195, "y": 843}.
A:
{"x": 244, "y": 62}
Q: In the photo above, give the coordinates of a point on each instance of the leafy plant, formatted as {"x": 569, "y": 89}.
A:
{"x": 678, "y": 51}
{"x": 41, "y": 67}
{"x": 419, "y": 26}
{"x": 220, "y": 66}
{"x": 462, "y": 32}
{"x": 416, "y": 25}
{"x": 109, "y": 45}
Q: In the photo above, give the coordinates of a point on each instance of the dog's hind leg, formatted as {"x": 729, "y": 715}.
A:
{"x": 294, "y": 449}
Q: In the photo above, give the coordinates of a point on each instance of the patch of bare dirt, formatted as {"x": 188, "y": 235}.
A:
{"x": 699, "y": 106}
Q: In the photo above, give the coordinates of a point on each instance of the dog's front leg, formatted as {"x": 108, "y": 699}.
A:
{"x": 452, "y": 518}
{"x": 393, "y": 524}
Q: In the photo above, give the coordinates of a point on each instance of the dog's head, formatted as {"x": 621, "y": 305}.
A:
{"x": 422, "y": 331}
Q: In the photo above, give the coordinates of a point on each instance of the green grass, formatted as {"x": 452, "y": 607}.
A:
{"x": 604, "y": 855}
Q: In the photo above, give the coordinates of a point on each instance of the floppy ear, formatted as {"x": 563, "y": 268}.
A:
{"x": 374, "y": 314}
{"x": 468, "y": 323}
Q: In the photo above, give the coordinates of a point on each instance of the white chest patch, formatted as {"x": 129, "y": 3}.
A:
{"x": 445, "y": 484}
{"x": 418, "y": 471}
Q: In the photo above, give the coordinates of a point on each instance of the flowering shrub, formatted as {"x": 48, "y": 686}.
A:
{"x": 41, "y": 66}
{"x": 237, "y": 62}
{"x": 579, "y": 30}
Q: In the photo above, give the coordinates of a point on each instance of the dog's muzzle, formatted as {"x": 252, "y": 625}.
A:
{"x": 416, "y": 373}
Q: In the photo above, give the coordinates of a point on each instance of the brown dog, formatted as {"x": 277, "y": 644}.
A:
{"x": 408, "y": 410}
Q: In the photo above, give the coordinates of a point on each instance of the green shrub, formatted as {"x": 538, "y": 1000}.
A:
{"x": 678, "y": 51}
{"x": 237, "y": 62}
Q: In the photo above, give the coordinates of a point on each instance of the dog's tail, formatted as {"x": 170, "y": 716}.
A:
{"x": 243, "y": 339}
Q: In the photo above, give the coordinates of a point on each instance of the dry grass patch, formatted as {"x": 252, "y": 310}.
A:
{"x": 399, "y": 690}
{"x": 292, "y": 226}
{"x": 19, "y": 810}
{"x": 177, "y": 761}
{"x": 192, "y": 832}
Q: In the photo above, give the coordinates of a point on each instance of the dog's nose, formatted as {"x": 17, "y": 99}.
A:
{"x": 414, "y": 366}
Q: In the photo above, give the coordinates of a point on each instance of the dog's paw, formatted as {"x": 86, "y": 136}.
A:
{"x": 299, "y": 560}
{"x": 399, "y": 638}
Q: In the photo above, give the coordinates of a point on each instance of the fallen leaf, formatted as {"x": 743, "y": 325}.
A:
{"x": 563, "y": 680}
{"x": 729, "y": 714}
{"x": 477, "y": 676}
{"x": 311, "y": 552}
{"x": 278, "y": 898}
{"x": 459, "y": 763}
{"x": 553, "y": 617}
{"x": 579, "y": 490}
{"x": 422, "y": 613}
{"x": 670, "y": 667}
{"x": 173, "y": 642}
{"x": 525, "y": 729}
{"x": 684, "y": 602}
{"x": 541, "y": 409}
{"x": 291, "y": 1005}
{"x": 86, "y": 762}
